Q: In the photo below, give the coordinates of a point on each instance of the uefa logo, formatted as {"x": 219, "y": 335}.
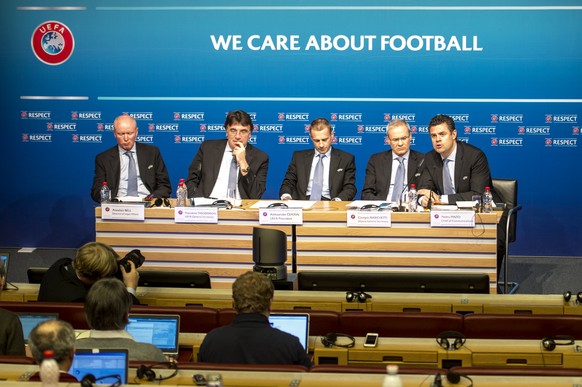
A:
{"x": 52, "y": 42}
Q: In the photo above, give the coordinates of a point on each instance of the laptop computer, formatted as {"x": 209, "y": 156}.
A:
{"x": 104, "y": 364}
{"x": 296, "y": 324}
{"x": 4, "y": 258}
{"x": 161, "y": 330}
{"x": 29, "y": 320}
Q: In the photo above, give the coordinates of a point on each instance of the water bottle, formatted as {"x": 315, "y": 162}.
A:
{"x": 49, "y": 370}
{"x": 105, "y": 193}
{"x": 487, "y": 200}
{"x": 392, "y": 379}
{"x": 181, "y": 194}
{"x": 412, "y": 198}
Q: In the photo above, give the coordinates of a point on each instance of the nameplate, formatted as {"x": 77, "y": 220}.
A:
{"x": 196, "y": 214}
{"x": 452, "y": 218}
{"x": 122, "y": 211}
{"x": 281, "y": 216}
{"x": 357, "y": 218}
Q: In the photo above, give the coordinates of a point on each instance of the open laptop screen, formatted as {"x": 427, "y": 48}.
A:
{"x": 30, "y": 320}
{"x": 161, "y": 330}
{"x": 296, "y": 324}
{"x": 101, "y": 363}
{"x": 4, "y": 258}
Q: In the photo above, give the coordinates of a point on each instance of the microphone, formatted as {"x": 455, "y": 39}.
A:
{"x": 437, "y": 382}
{"x": 417, "y": 174}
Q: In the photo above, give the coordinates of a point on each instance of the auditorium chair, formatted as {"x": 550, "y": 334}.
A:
{"x": 321, "y": 322}
{"x": 363, "y": 369}
{"x": 521, "y": 327}
{"x": 518, "y": 371}
{"x": 400, "y": 324}
{"x": 35, "y": 274}
{"x": 506, "y": 189}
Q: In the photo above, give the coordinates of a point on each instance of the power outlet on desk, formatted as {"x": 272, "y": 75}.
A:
{"x": 449, "y": 363}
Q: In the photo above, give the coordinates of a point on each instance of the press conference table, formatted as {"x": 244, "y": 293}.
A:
{"x": 323, "y": 242}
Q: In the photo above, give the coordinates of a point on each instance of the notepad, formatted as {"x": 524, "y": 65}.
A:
{"x": 296, "y": 324}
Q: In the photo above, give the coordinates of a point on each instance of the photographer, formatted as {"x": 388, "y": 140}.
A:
{"x": 70, "y": 279}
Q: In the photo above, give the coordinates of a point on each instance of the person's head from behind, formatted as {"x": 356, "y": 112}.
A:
{"x": 107, "y": 305}
{"x": 94, "y": 261}
{"x": 443, "y": 134}
{"x": 125, "y": 131}
{"x": 54, "y": 335}
{"x": 321, "y": 134}
{"x": 239, "y": 128}
{"x": 252, "y": 293}
{"x": 398, "y": 133}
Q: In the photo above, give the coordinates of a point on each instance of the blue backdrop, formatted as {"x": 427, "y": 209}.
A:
{"x": 509, "y": 72}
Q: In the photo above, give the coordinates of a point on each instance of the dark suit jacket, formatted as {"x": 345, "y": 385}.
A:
{"x": 472, "y": 173}
{"x": 342, "y": 175}
{"x": 379, "y": 173}
{"x": 204, "y": 169}
{"x": 152, "y": 171}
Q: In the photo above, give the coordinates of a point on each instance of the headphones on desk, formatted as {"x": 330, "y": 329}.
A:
{"x": 550, "y": 343}
{"x": 330, "y": 340}
{"x": 146, "y": 371}
{"x": 89, "y": 380}
{"x": 568, "y": 296}
{"x": 443, "y": 339}
{"x": 358, "y": 296}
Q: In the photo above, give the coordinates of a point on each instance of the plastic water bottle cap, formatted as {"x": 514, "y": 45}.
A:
{"x": 48, "y": 354}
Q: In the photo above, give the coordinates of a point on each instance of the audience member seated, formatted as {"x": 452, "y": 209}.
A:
{"x": 11, "y": 337}
{"x": 250, "y": 339}
{"x": 59, "y": 337}
{"x": 107, "y": 308}
{"x": 69, "y": 280}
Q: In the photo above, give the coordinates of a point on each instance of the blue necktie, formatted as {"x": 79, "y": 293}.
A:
{"x": 131, "y": 175}
{"x": 447, "y": 180}
{"x": 398, "y": 181}
{"x": 317, "y": 183}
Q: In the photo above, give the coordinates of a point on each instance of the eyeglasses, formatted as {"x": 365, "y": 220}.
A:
{"x": 242, "y": 132}
{"x": 397, "y": 140}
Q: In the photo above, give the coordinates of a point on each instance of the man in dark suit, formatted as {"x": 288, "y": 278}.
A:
{"x": 382, "y": 169}
{"x": 209, "y": 174}
{"x": 467, "y": 172}
{"x": 338, "y": 177}
{"x": 114, "y": 165}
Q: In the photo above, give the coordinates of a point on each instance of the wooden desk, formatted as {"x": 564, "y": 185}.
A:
{"x": 11, "y": 374}
{"x": 389, "y": 302}
{"x": 323, "y": 243}
{"x": 417, "y": 352}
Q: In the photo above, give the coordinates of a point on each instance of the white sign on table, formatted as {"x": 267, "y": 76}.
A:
{"x": 452, "y": 218}
{"x": 196, "y": 214}
{"x": 358, "y": 218}
{"x": 281, "y": 216}
{"x": 122, "y": 211}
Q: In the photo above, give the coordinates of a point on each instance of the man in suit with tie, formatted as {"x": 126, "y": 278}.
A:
{"x": 323, "y": 173}
{"x": 454, "y": 170}
{"x": 130, "y": 168}
{"x": 229, "y": 168}
{"x": 389, "y": 173}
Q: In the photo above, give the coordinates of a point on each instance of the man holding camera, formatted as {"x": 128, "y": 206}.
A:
{"x": 69, "y": 280}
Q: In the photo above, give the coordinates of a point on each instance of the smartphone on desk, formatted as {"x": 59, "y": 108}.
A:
{"x": 371, "y": 340}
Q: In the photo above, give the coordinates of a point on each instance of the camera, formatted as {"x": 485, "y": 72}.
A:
{"x": 133, "y": 256}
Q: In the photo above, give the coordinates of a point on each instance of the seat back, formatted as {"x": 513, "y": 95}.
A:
{"x": 506, "y": 190}
{"x": 521, "y": 327}
{"x": 193, "y": 320}
{"x": 35, "y": 274}
{"x": 400, "y": 324}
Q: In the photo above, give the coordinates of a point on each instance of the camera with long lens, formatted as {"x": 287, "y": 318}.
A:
{"x": 134, "y": 256}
